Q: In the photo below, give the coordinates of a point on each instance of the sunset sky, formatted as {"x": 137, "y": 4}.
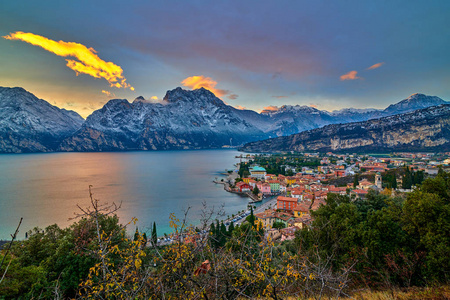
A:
{"x": 252, "y": 54}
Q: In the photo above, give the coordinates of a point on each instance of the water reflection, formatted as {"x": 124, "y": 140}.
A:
{"x": 45, "y": 188}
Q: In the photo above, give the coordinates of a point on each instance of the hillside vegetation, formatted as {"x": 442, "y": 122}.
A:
{"x": 380, "y": 243}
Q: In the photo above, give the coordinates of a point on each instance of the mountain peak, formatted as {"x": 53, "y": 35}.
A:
{"x": 413, "y": 102}
{"x": 197, "y": 95}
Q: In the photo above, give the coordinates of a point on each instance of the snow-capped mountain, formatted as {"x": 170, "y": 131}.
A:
{"x": 346, "y": 115}
{"x": 413, "y": 102}
{"x": 183, "y": 120}
{"x": 289, "y": 119}
{"x": 29, "y": 124}
{"x": 423, "y": 129}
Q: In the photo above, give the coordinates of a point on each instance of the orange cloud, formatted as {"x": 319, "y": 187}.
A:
{"x": 240, "y": 107}
{"x": 279, "y": 97}
{"x": 108, "y": 93}
{"x": 350, "y": 76}
{"x": 313, "y": 105}
{"x": 269, "y": 109}
{"x": 196, "y": 82}
{"x": 153, "y": 98}
{"x": 375, "y": 66}
{"x": 87, "y": 61}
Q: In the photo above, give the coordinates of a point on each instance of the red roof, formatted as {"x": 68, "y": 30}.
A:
{"x": 282, "y": 198}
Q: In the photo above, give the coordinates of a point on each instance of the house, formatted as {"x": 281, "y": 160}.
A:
{"x": 290, "y": 180}
{"x": 302, "y": 209}
{"x": 243, "y": 187}
{"x": 273, "y": 234}
{"x": 274, "y": 186}
{"x": 360, "y": 194}
{"x": 288, "y": 233}
{"x": 338, "y": 190}
{"x": 265, "y": 188}
{"x": 267, "y": 218}
{"x": 282, "y": 187}
{"x": 364, "y": 184}
{"x": 286, "y": 203}
{"x": 283, "y": 217}
{"x": 252, "y": 183}
{"x": 297, "y": 193}
{"x": 302, "y": 222}
{"x": 317, "y": 204}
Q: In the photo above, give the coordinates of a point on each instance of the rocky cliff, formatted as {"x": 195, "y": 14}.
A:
{"x": 424, "y": 129}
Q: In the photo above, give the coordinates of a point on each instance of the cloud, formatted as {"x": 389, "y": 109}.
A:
{"x": 375, "y": 66}
{"x": 240, "y": 107}
{"x": 279, "y": 97}
{"x": 269, "y": 109}
{"x": 153, "y": 98}
{"x": 350, "y": 76}
{"x": 196, "y": 82}
{"x": 313, "y": 105}
{"x": 87, "y": 60}
{"x": 108, "y": 93}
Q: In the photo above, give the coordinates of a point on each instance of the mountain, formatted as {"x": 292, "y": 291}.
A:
{"x": 423, "y": 129}
{"x": 29, "y": 124}
{"x": 184, "y": 120}
{"x": 289, "y": 119}
{"x": 413, "y": 102}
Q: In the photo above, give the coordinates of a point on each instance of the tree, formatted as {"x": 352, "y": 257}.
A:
{"x": 407, "y": 179}
{"x": 251, "y": 218}
{"x": 256, "y": 191}
{"x": 278, "y": 225}
{"x": 154, "y": 235}
{"x": 356, "y": 181}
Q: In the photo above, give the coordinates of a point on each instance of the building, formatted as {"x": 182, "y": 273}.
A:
{"x": 274, "y": 186}
{"x": 286, "y": 203}
{"x": 267, "y": 218}
{"x": 257, "y": 172}
{"x": 378, "y": 181}
{"x": 265, "y": 188}
{"x": 302, "y": 209}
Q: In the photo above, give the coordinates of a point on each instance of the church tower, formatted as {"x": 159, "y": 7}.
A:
{"x": 378, "y": 182}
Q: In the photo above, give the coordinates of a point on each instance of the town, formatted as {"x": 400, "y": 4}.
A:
{"x": 300, "y": 182}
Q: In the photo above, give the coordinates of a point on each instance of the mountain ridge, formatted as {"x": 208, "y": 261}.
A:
{"x": 427, "y": 128}
{"x": 183, "y": 119}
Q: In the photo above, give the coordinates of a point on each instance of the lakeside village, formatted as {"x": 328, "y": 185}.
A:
{"x": 301, "y": 182}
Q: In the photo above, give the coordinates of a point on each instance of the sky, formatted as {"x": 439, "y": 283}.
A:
{"x": 252, "y": 54}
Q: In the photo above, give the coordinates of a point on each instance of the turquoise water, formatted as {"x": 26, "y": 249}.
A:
{"x": 45, "y": 189}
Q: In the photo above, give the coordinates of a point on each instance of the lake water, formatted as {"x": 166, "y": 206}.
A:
{"x": 44, "y": 188}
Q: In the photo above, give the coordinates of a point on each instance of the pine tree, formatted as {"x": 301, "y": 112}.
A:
{"x": 154, "y": 234}
{"x": 355, "y": 181}
{"x": 251, "y": 217}
{"x": 230, "y": 229}
{"x": 144, "y": 236}
{"x": 256, "y": 191}
{"x": 394, "y": 181}
{"x": 407, "y": 179}
{"x": 136, "y": 234}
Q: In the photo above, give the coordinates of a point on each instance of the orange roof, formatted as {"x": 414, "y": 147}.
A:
{"x": 282, "y": 198}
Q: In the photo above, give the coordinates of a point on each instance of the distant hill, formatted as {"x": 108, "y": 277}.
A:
{"x": 423, "y": 129}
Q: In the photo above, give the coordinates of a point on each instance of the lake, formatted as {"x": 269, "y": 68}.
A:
{"x": 45, "y": 188}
